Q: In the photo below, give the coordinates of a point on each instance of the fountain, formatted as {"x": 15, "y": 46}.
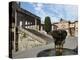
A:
{"x": 59, "y": 37}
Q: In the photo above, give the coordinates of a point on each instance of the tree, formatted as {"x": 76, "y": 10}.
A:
{"x": 47, "y": 24}
{"x": 59, "y": 39}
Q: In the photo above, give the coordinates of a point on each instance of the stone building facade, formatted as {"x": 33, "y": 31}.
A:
{"x": 20, "y": 18}
{"x": 70, "y": 27}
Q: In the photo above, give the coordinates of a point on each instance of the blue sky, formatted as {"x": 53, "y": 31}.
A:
{"x": 54, "y": 11}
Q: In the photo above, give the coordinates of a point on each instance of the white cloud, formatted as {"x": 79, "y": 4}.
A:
{"x": 55, "y": 11}
{"x": 38, "y": 6}
{"x": 43, "y": 14}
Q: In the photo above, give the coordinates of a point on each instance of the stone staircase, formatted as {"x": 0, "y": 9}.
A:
{"x": 44, "y": 37}
{"x": 29, "y": 38}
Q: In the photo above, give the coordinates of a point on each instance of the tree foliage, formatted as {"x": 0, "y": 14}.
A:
{"x": 47, "y": 24}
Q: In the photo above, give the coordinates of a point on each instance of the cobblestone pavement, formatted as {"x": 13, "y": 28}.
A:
{"x": 70, "y": 43}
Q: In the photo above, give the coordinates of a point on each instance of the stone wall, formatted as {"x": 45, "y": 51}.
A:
{"x": 27, "y": 40}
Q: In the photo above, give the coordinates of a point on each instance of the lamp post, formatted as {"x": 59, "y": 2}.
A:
{"x": 59, "y": 37}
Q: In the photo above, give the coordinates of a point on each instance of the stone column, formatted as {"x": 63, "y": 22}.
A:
{"x": 15, "y": 30}
{"x": 41, "y": 28}
{"x": 27, "y": 24}
{"x": 35, "y": 24}
{"x": 20, "y": 24}
{"x": 52, "y": 27}
{"x": 23, "y": 23}
{"x": 30, "y": 25}
{"x": 15, "y": 34}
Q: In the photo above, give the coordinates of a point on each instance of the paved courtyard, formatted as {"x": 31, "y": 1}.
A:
{"x": 70, "y": 43}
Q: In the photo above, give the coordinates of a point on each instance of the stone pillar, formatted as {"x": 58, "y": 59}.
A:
{"x": 38, "y": 27}
{"x": 15, "y": 30}
{"x": 20, "y": 24}
{"x": 41, "y": 28}
{"x": 23, "y": 23}
{"x": 15, "y": 34}
{"x": 35, "y": 24}
{"x": 52, "y": 27}
{"x": 27, "y": 24}
{"x": 30, "y": 25}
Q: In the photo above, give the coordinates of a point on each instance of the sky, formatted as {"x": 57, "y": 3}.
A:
{"x": 54, "y": 11}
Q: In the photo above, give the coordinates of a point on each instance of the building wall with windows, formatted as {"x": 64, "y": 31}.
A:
{"x": 70, "y": 27}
